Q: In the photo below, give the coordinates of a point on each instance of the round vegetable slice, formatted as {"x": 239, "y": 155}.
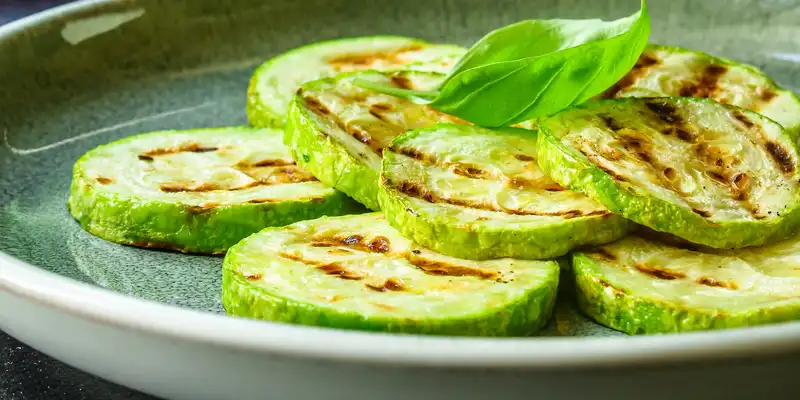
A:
{"x": 274, "y": 82}
{"x": 357, "y": 272}
{"x": 479, "y": 194}
{"x": 196, "y": 190}
{"x": 642, "y": 286}
{"x": 674, "y": 71}
{"x": 337, "y": 129}
{"x": 712, "y": 174}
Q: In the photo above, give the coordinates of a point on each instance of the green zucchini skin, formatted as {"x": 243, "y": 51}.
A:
{"x": 674, "y": 71}
{"x": 206, "y": 222}
{"x": 607, "y": 295}
{"x": 273, "y": 82}
{"x": 259, "y": 283}
{"x": 570, "y": 167}
{"x": 324, "y": 144}
{"x": 455, "y": 223}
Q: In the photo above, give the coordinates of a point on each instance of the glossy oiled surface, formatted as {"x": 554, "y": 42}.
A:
{"x": 150, "y": 65}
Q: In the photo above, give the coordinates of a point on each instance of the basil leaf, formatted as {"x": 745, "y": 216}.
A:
{"x": 535, "y": 68}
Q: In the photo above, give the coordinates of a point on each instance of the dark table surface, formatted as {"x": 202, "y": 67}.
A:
{"x": 26, "y": 374}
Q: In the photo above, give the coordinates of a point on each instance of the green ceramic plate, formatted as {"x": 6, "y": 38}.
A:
{"x": 95, "y": 71}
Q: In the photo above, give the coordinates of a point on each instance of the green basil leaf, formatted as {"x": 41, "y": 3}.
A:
{"x": 537, "y": 67}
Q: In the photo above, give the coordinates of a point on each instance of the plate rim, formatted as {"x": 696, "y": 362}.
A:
{"x": 94, "y": 303}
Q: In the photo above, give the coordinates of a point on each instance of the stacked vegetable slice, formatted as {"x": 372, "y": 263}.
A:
{"x": 196, "y": 191}
{"x": 358, "y": 272}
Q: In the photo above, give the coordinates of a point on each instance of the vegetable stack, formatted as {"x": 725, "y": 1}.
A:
{"x": 663, "y": 182}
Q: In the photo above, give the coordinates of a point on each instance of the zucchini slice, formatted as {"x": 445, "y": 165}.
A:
{"x": 672, "y": 71}
{"x": 642, "y": 286}
{"x": 712, "y": 174}
{"x": 337, "y": 130}
{"x": 273, "y": 83}
{"x": 197, "y": 191}
{"x": 357, "y": 272}
{"x": 477, "y": 193}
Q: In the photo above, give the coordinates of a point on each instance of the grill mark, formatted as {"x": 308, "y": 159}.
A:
{"x": 702, "y": 213}
{"x": 470, "y": 171}
{"x": 743, "y": 119}
{"x": 441, "y": 268}
{"x": 611, "y": 123}
{"x": 780, "y": 156}
{"x": 280, "y": 175}
{"x": 253, "y": 277}
{"x": 709, "y": 281}
{"x": 706, "y": 85}
{"x": 391, "y": 284}
{"x": 329, "y": 268}
{"x": 385, "y": 307}
{"x": 644, "y": 63}
{"x": 719, "y": 170}
{"x": 103, "y": 180}
{"x": 402, "y": 82}
{"x": 766, "y": 94}
{"x": 604, "y": 254}
{"x": 473, "y": 172}
{"x": 205, "y": 207}
{"x": 269, "y": 163}
{"x": 184, "y": 148}
{"x": 660, "y": 273}
{"x": 378, "y": 244}
{"x": 365, "y": 59}
{"x": 665, "y": 111}
{"x": 740, "y": 183}
{"x": 359, "y": 134}
{"x": 609, "y": 286}
{"x": 204, "y": 187}
{"x": 523, "y": 157}
{"x": 261, "y": 201}
{"x": 416, "y": 190}
{"x": 670, "y": 174}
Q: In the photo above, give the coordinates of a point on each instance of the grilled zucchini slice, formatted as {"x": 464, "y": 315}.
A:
{"x": 478, "y": 193}
{"x": 357, "y": 272}
{"x": 274, "y": 82}
{"x": 673, "y": 71}
{"x": 712, "y": 174}
{"x": 642, "y": 286}
{"x": 337, "y": 129}
{"x": 196, "y": 190}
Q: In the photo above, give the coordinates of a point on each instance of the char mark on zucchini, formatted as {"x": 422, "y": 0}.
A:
{"x": 378, "y": 244}
{"x": 644, "y": 62}
{"x": 391, "y": 284}
{"x": 330, "y": 268}
{"x": 442, "y": 268}
{"x": 416, "y": 190}
{"x": 706, "y": 84}
{"x": 365, "y": 59}
{"x": 184, "y": 148}
{"x": 709, "y": 281}
{"x": 357, "y": 133}
{"x": 780, "y": 156}
{"x": 659, "y": 272}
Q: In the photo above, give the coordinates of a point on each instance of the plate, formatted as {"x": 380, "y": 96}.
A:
{"x": 84, "y": 74}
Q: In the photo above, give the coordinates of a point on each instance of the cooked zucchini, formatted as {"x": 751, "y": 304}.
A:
{"x": 673, "y": 71}
{"x": 197, "y": 190}
{"x": 357, "y": 272}
{"x": 479, "y": 194}
{"x": 274, "y": 82}
{"x": 712, "y": 174}
{"x": 337, "y": 129}
{"x": 642, "y": 286}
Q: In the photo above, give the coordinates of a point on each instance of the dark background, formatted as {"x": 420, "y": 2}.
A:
{"x": 26, "y": 374}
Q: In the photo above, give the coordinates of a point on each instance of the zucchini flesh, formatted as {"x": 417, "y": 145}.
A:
{"x": 672, "y": 71}
{"x": 712, "y": 174}
{"x": 357, "y": 272}
{"x": 197, "y": 191}
{"x": 275, "y": 81}
{"x": 643, "y": 286}
{"x": 479, "y": 194}
{"x": 338, "y": 130}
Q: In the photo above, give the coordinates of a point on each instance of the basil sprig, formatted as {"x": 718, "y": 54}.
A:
{"x": 535, "y": 68}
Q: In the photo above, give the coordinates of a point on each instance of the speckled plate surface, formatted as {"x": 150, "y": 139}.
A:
{"x": 88, "y": 73}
